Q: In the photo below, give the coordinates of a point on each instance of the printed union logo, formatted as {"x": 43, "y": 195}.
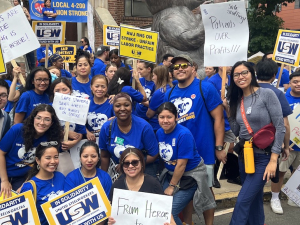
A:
{"x": 136, "y": 53}
{"x": 193, "y": 96}
{"x": 37, "y": 8}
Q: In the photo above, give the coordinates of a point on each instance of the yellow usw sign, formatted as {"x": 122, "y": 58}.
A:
{"x": 2, "y": 63}
{"x": 138, "y": 44}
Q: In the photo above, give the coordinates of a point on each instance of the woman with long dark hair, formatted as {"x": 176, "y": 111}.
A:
{"x": 257, "y": 107}
{"x": 17, "y": 148}
{"x": 48, "y": 183}
{"x": 36, "y": 92}
{"x": 116, "y": 59}
{"x": 90, "y": 168}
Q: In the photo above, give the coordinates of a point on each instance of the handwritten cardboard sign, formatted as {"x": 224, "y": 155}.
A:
{"x": 131, "y": 207}
{"x": 292, "y": 187}
{"x": 85, "y": 204}
{"x": 19, "y": 209}
{"x": 17, "y": 37}
{"x": 138, "y": 44}
{"x": 2, "y": 63}
{"x": 111, "y": 35}
{"x": 50, "y": 32}
{"x": 287, "y": 47}
{"x": 68, "y": 52}
{"x": 70, "y": 108}
{"x": 226, "y": 33}
{"x": 294, "y": 120}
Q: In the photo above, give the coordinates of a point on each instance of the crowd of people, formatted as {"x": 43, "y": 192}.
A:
{"x": 164, "y": 135}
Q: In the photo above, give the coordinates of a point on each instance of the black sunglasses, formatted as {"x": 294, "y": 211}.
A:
{"x": 134, "y": 163}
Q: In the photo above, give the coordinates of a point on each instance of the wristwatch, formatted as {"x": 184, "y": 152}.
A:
{"x": 219, "y": 147}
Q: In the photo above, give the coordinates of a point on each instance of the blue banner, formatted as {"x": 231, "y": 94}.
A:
{"x": 67, "y": 10}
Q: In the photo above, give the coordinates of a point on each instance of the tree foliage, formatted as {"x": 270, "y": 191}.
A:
{"x": 264, "y": 24}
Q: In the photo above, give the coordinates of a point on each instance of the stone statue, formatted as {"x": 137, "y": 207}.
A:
{"x": 180, "y": 30}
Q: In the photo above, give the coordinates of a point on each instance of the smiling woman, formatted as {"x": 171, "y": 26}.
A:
{"x": 36, "y": 92}
{"x": 17, "y": 148}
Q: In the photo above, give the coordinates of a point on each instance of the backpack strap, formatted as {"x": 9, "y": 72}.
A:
{"x": 171, "y": 92}
{"x": 200, "y": 86}
{"x": 34, "y": 188}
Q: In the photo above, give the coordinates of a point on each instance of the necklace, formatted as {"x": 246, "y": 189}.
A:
{"x": 123, "y": 130}
{"x": 51, "y": 182}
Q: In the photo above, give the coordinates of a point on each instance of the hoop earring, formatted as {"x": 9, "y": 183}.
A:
{"x": 38, "y": 166}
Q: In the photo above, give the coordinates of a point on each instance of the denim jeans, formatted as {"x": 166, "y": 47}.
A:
{"x": 152, "y": 169}
{"x": 16, "y": 182}
{"x": 249, "y": 208}
{"x": 180, "y": 200}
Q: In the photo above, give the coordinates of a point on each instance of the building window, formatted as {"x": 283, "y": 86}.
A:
{"x": 136, "y": 8}
{"x": 297, "y": 4}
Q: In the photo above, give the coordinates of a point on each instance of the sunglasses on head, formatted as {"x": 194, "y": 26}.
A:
{"x": 134, "y": 163}
{"x": 182, "y": 65}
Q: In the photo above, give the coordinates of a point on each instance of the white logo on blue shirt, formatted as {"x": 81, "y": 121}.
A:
{"x": 183, "y": 105}
{"x": 96, "y": 120}
{"x": 120, "y": 148}
{"x": 26, "y": 157}
{"x": 53, "y": 195}
{"x": 79, "y": 94}
{"x": 165, "y": 151}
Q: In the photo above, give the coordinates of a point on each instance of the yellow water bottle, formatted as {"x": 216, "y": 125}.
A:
{"x": 249, "y": 157}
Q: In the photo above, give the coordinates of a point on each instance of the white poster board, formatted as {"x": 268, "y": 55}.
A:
{"x": 90, "y": 26}
{"x": 294, "y": 121}
{"x": 131, "y": 207}
{"x": 292, "y": 187}
{"x": 226, "y": 33}
{"x": 16, "y": 34}
{"x": 71, "y": 109}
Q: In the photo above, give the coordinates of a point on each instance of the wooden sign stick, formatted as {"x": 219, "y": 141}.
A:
{"x": 134, "y": 65}
{"x": 21, "y": 78}
{"x": 226, "y": 147}
{"x": 224, "y": 77}
{"x": 280, "y": 74}
{"x": 67, "y": 66}
{"x": 46, "y": 56}
{"x": 292, "y": 145}
{"x": 66, "y": 131}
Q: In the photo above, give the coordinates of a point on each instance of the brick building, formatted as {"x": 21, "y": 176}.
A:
{"x": 291, "y": 15}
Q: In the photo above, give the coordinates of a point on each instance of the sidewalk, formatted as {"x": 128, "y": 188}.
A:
{"x": 226, "y": 195}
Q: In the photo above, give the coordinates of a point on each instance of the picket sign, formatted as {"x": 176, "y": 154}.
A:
{"x": 134, "y": 65}
{"x": 47, "y": 57}
{"x": 292, "y": 187}
{"x": 224, "y": 77}
{"x": 21, "y": 78}
{"x": 294, "y": 121}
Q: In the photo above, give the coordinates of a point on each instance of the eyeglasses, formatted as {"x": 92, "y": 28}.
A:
{"x": 134, "y": 163}
{"x": 182, "y": 65}
{"x": 50, "y": 143}
{"x": 45, "y": 120}
{"x": 243, "y": 73}
{"x": 39, "y": 81}
{"x": 81, "y": 41}
{"x": 3, "y": 96}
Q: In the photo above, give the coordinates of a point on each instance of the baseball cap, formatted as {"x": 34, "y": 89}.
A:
{"x": 185, "y": 57}
{"x": 101, "y": 49}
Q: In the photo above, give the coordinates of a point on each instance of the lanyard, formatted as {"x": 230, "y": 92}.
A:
{"x": 244, "y": 118}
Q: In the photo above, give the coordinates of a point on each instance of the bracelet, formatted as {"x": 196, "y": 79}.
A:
{"x": 174, "y": 186}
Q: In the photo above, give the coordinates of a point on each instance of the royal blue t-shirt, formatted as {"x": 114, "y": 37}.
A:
{"x": 17, "y": 160}
{"x": 41, "y": 53}
{"x": 98, "y": 115}
{"x": 75, "y": 178}
{"x": 45, "y": 191}
{"x": 193, "y": 114}
{"x": 65, "y": 73}
{"x": 216, "y": 80}
{"x": 285, "y": 78}
{"x": 47, "y": 18}
{"x": 286, "y": 109}
{"x": 149, "y": 87}
{"x": 81, "y": 90}
{"x": 156, "y": 100}
{"x": 98, "y": 67}
{"x": 293, "y": 102}
{"x": 29, "y": 100}
{"x": 141, "y": 136}
{"x": 179, "y": 144}
{"x": 123, "y": 65}
{"x": 135, "y": 95}
{"x": 89, "y": 49}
